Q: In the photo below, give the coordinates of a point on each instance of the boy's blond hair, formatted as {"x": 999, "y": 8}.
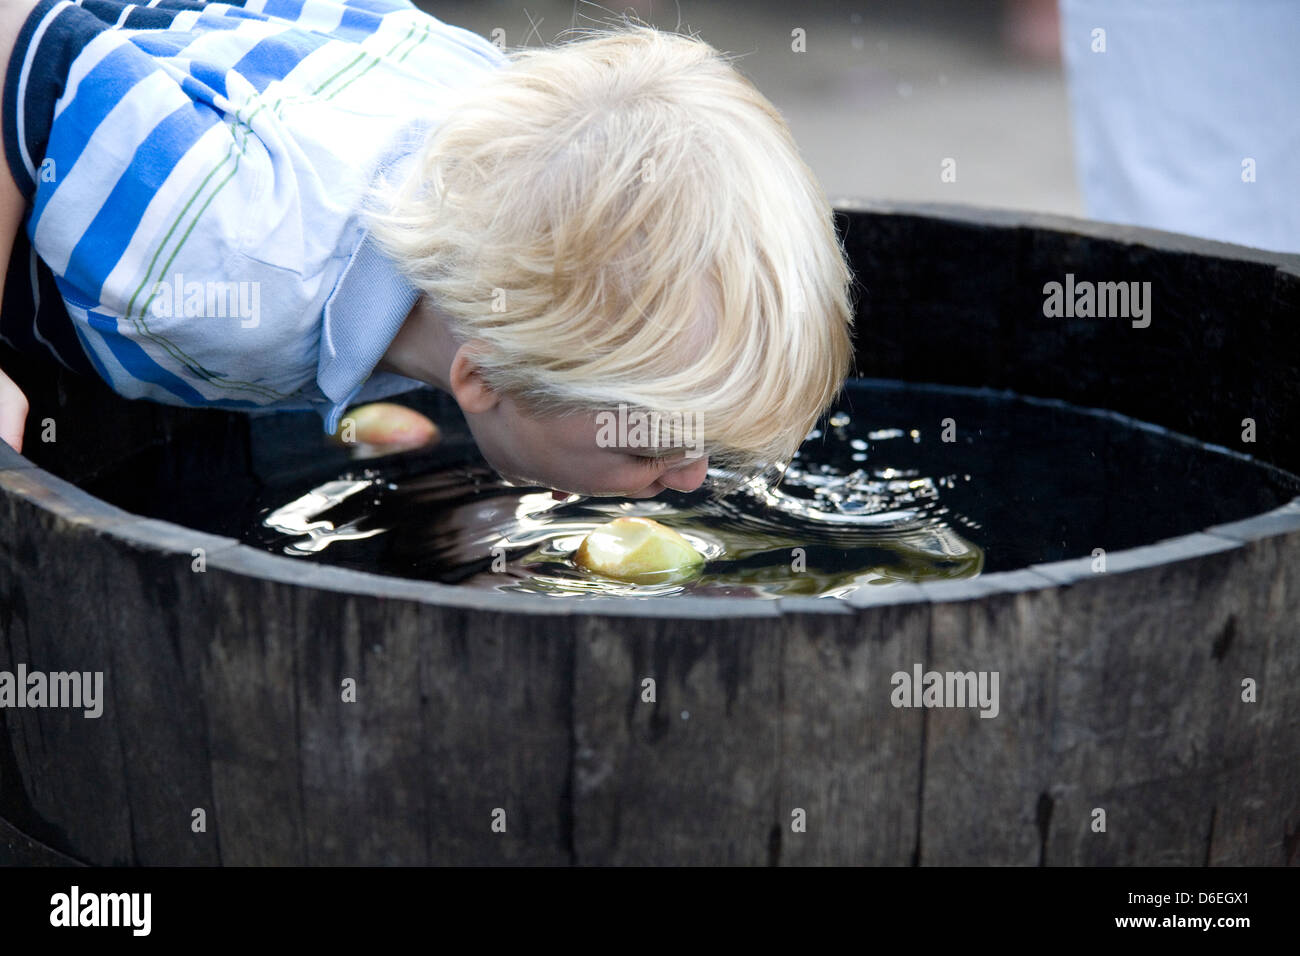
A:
{"x": 624, "y": 218}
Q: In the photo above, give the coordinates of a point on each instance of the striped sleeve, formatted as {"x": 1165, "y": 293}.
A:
{"x": 138, "y": 189}
{"x": 34, "y": 320}
{"x": 195, "y": 173}
{"x": 149, "y": 158}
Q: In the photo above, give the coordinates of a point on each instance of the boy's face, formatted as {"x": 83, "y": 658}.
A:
{"x": 561, "y": 452}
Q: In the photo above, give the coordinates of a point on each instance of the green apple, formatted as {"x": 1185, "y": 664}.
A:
{"x": 640, "y": 551}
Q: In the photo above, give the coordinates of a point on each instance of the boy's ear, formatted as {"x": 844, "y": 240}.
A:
{"x": 472, "y": 392}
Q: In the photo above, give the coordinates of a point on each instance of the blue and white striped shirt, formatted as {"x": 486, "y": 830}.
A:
{"x": 195, "y": 173}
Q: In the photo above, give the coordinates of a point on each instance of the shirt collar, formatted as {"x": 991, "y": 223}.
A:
{"x": 362, "y": 317}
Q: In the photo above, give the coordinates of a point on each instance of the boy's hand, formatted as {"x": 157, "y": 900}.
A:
{"x": 13, "y": 211}
{"x": 13, "y": 412}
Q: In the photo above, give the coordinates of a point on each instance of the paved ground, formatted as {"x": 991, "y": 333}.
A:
{"x": 885, "y": 92}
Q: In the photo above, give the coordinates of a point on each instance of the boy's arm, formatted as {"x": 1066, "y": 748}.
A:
{"x": 13, "y": 209}
{"x": 13, "y": 403}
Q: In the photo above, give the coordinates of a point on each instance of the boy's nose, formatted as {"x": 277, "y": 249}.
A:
{"x": 688, "y": 476}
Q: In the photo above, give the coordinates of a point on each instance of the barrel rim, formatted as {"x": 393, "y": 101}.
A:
{"x": 68, "y": 503}
{"x": 1054, "y": 222}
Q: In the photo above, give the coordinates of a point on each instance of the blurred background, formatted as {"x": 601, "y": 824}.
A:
{"x": 885, "y": 90}
{"x": 1174, "y": 114}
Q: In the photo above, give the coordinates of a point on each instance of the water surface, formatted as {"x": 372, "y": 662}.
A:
{"x": 897, "y": 483}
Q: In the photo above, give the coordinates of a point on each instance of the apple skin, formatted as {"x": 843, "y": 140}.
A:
{"x": 638, "y": 551}
{"x": 385, "y": 427}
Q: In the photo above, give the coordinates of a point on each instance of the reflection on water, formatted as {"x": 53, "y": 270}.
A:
{"x": 822, "y": 529}
{"x": 881, "y": 492}
{"x": 296, "y": 517}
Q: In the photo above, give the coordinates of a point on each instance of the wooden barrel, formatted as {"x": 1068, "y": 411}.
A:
{"x": 1149, "y": 714}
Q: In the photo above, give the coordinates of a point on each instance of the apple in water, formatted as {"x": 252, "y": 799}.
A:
{"x": 383, "y": 428}
{"x": 640, "y": 551}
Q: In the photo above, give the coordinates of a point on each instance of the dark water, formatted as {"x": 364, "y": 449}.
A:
{"x": 876, "y": 495}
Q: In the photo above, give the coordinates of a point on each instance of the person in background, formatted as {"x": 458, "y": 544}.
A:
{"x": 1186, "y": 115}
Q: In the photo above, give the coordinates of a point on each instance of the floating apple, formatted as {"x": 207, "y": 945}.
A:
{"x": 382, "y": 428}
{"x": 640, "y": 551}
